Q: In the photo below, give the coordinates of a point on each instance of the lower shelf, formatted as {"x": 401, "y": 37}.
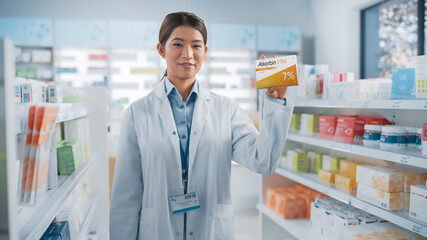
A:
{"x": 399, "y": 218}
{"x": 300, "y": 228}
{"x": 88, "y": 220}
{"x": 33, "y": 221}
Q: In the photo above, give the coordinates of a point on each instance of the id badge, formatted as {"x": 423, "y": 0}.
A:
{"x": 184, "y": 203}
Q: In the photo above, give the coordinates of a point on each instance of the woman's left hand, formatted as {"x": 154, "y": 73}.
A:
{"x": 276, "y": 92}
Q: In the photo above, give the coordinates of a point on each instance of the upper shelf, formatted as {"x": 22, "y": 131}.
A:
{"x": 410, "y": 157}
{"x": 67, "y": 112}
{"x": 414, "y": 104}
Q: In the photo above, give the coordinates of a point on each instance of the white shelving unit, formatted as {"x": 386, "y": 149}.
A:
{"x": 19, "y": 222}
{"x": 89, "y": 217}
{"x": 401, "y": 112}
{"x": 300, "y": 228}
{"x": 410, "y": 157}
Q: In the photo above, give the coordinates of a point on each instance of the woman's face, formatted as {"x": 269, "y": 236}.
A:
{"x": 184, "y": 52}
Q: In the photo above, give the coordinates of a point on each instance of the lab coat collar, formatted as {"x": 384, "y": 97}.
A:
{"x": 159, "y": 92}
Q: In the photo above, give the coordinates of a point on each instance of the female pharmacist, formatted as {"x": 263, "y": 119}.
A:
{"x": 172, "y": 177}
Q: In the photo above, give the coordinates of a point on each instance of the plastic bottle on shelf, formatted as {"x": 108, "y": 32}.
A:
{"x": 411, "y": 137}
{"x": 393, "y": 137}
{"x": 419, "y": 139}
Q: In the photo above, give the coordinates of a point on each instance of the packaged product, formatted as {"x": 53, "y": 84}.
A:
{"x": 330, "y": 163}
{"x": 277, "y": 72}
{"x": 350, "y": 129}
{"x": 326, "y": 177}
{"x": 348, "y": 167}
{"x": 387, "y": 200}
{"x": 346, "y": 183}
{"x": 314, "y": 161}
{"x": 418, "y": 202}
{"x": 382, "y": 178}
{"x": 327, "y": 125}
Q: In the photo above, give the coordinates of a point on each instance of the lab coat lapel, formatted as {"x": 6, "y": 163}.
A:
{"x": 166, "y": 118}
{"x": 199, "y": 118}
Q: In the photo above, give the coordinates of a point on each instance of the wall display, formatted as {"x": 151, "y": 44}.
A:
{"x": 133, "y": 34}
{"x": 229, "y": 36}
{"x": 27, "y": 31}
{"x": 286, "y": 39}
{"x": 91, "y": 33}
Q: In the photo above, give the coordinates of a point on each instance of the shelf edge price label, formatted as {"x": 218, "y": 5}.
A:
{"x": 404, "y": 159}
{"x": 365, "y": 104}
{"x": 417, "y": 228}
{"x": 396, "y": 104}
{"x": 365, "y": 207}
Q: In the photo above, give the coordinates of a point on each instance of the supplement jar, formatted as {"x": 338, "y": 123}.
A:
{"x": 411, "y": 136}
{"x": 372, "y": 135}
{"x": 393, "y": 137}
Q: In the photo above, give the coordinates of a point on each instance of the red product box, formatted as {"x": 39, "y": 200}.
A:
{"x": 327, "y": 125}
{"x": 350, "y": 129}
{"x": 377, "y": 121}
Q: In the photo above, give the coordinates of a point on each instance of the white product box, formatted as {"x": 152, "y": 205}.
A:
{"x": 389, "y": 201}
{"x": 380, "y": 178}
{"x": 424, "y": 136}
{"x": 418, "y": 202}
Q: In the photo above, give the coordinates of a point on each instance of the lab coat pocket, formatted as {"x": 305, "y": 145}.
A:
{"x": 147, "y": 223}
{"x": 224, "y": 229}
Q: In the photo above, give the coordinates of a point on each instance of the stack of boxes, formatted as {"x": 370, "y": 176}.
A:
{"x": 387, "y": 188}
{"x": 293, "y": 202}
{"x": 345, "y": 180}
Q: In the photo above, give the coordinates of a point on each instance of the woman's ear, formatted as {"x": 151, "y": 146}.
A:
{"x": 161, "y": 50}
{"x": 206, "y": 49}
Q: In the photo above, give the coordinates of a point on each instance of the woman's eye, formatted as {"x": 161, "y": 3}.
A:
{"x": 197, "y": 46}
{"x": 177, "y": 44}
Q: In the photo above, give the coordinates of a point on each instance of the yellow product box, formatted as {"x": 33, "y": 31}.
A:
{"x": 326, "y": 177}
{"x": 382, "y": 178}
{"x": 387, "y": 200}
{"x": 277, "y": 72}
{"x": 346, "y": 183}
{"x": 348, "y": 167}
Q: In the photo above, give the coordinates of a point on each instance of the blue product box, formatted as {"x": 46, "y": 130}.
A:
{"x": 57, "y": 230}
{"x": 403, "y": 83}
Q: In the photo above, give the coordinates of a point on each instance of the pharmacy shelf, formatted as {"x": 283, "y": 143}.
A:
{"x": 415, "y": 104}
{"x": 410, "y": 157}
{"x": 71, "y": 111}
{"x": 67, "y": 112}
{"x": 310, "y": 180}
{"x": 33, "y": 221}
{"x": 299, "y": 228}
{"x": 399, "y": 218}
{"x": 88, "y": 220}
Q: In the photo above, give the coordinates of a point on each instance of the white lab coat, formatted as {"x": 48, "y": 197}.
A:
{"x": 148, "y": 167}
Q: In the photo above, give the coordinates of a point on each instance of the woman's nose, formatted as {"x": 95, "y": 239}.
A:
{"x": 187, "y": 52}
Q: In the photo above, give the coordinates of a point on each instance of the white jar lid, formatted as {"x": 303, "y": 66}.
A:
{"x": 393, "y": 129}
{"x": 370, "y": 127}
{"x": 419, "y": 131}
{"x": 411, "y": 130}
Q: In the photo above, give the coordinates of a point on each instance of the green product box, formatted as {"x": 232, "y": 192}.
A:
{"x": 330, "y": 163}
{"x": 21, "y": 72}
{"x": 31, "y": 73}
{"x": 314, "y": 161}
{"x": 295, "y": 122}
{"x": 299, "y": 161}
{"x": 70, "y": 156}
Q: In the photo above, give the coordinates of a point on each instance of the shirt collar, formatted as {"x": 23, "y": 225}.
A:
{"x": 170, "y": 89}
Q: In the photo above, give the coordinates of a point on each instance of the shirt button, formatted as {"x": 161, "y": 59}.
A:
{"x": 184, "y": 137}
{"x": 191, "y": 233}
{"x": 181, "y": 106}
{"x": 173, "y": 133}
{"x": 195, "y": 133}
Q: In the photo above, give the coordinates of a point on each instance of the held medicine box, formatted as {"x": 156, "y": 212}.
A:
{"x": 276, "y": 72}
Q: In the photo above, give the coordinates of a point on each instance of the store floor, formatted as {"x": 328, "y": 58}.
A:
{"x": 246, "y": 225}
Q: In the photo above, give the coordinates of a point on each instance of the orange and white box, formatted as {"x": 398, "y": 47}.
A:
{"x": 382, "y": 178}
{"x": 277, "y": 72}
{"x": 412, "y": 177}
{"x": 417, "y": 208}
{"x": 389, "y": 201}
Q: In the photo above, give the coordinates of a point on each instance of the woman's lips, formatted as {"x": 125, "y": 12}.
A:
{"x": 186, "y": 65}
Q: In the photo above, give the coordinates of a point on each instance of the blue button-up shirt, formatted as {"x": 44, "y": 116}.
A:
{"x": 183, "y": 116}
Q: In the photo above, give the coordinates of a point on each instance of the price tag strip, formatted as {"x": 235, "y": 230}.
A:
{"x": 184, "y": 203}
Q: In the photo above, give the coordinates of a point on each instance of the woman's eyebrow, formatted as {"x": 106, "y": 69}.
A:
{"x": 180, "y": 39}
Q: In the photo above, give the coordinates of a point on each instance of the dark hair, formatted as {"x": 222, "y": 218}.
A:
{"x": 177, "y": 19}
